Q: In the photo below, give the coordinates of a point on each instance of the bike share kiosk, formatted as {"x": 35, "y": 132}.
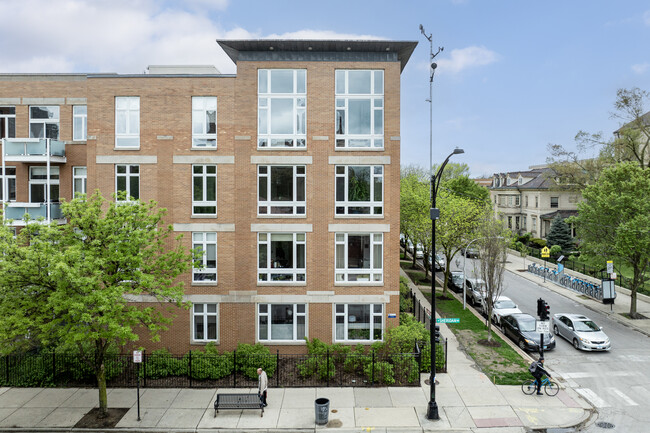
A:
{"x": 608, "y": 284}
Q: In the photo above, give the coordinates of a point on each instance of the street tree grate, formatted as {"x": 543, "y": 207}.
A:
{"x": 603, "y": 424}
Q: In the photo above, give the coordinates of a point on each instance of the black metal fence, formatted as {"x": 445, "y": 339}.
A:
{"x": 423, "y": 315}
{"x": 204, "y": 370}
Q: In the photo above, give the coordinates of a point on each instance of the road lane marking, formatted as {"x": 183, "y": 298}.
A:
{"x": 584, "y": 374}
{"x": 592, "y": 397}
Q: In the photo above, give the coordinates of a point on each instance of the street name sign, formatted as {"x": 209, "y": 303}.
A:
{"x": 448, "y": 320}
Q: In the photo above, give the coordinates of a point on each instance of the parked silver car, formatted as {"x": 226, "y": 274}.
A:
{"x": 475, "y": 290}
{"x": 581, "y": 332}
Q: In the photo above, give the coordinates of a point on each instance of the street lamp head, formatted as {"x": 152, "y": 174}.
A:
{"x": 458, "y": 150}
{"x": 434, "y": 65}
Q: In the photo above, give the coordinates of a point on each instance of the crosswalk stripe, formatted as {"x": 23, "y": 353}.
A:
{"x": 627, "y": 399}
{"x": 592, "y": 397}
{"x": 582, "y": 374}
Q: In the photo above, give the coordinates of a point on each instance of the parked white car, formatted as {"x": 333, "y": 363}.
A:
{"x": 475, "y": 289}
{"x": 503, "y": 306}
{"x": 419, "y": 251}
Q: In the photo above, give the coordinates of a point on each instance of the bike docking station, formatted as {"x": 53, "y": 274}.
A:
{"x": 609, "y": 286}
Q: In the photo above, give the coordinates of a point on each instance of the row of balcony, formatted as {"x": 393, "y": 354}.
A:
{"x": 34, "y": 211}
{"x": 33, "y": 150}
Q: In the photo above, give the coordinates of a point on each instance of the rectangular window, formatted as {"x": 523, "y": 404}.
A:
{"x": 282, "y": 108}
{"x": 524, "y": 224}
{"x": 526, "y": 201}
{"x": 536, "y": 201}
{"x": 534, "y": 220}
{"x": 359, "y": 190}
{"x": 79, "y": 122}
{"x": 281, "y": 257}
{"x": 10, "y": 175}
{"x": 281, "y": 190}
{"x": 204, "y": 190}
{"x": 38, "y": 184}
{"x": 359, "y": 257}
{"x": 517, "y": 198}
{"x": 7, "y": 122}
{"x": 44, "y": 122}
{"x": 555, "y": 201}
{"x": 360, "y": 109}
{"x": 127, "y": 121}
{"x": 127, "y": 182}
{"x": 510, "y": 222}
{"x": 359, "y": 322}
{"x": 509, "y": 200}
{"x": 79, "y": 180}
{"x": 517, "y": 219}
{"x": 281, "y": 322}
{"x": 205, "y": 322}
{"x": 204, "y": 122}
{"x": 206, "y": 269}
{"x": 573, "y": 199}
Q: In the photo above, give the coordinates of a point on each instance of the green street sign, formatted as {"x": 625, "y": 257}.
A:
{"x": 448, "y": 320}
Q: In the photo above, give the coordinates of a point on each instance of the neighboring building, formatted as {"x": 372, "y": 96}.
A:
{"x": 484, "y": 181}
{"x": 528, "y": 201}
{"x": 286, "y": 174}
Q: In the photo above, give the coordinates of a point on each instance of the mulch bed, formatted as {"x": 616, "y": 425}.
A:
{"x": 94, "y": 418}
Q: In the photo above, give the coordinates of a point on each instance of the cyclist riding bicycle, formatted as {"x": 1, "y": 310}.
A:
{"x": 538, "y": 371}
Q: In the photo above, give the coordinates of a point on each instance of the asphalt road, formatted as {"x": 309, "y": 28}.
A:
{"x": 616, "y": 382}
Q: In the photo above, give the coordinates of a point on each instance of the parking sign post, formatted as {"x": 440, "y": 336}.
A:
{"x": 137, "y": 359}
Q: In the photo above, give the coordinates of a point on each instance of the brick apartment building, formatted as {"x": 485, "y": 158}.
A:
{"x": 286, "y": 175}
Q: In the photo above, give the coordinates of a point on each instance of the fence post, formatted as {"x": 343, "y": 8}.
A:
{"x": 234, "y": 369}
{"x": 190, "y": 368}
{"x": 6, "y": 357}
{"x": 144, "y": 358}
{"x": 446, "y": 339}
{"x": 277, "y": 369}
{"x": 53, "y": 367}
{"x": 372, "y": 375}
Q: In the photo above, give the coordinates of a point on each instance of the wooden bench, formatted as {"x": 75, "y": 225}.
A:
{"x": 238, "y": 401}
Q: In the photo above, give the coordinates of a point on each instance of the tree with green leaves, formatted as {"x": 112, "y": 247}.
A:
{"x": 459, "y": 220}
{"x": 72, "y": 284}
{"x": 560, "y": 234}
{"x": 613, "y": 221}
{"x": 414, "y": 213}
{"x": 463, "y": 186}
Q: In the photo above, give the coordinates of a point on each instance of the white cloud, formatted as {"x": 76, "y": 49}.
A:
{"x": 641, "y": 68}
{"x": 466, "y": 58}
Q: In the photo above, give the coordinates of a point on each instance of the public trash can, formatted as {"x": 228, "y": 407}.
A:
{"x": 322, "y": 410}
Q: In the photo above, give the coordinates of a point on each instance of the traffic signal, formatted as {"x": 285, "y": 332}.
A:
{"x": 540, "y": 307}
{"x": 436, "y": 334}
{"x": 546, "y": 311}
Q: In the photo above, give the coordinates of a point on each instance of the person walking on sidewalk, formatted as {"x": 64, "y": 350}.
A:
{"x": 262, "y": 384}
{"x": 538, "y": 371}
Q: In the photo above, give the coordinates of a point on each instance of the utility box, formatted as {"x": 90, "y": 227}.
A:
{"x": 609, "y": 290}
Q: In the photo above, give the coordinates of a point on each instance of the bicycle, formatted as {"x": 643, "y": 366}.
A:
{"x": 551, "y": 388}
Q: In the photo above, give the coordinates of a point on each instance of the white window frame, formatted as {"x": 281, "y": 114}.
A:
{"x": 132, "y": 171}
{"x": 202, "y": 106}
{"x": 269, "y": 206}
{"x": 265, "y": 311}
{"x": 266, "y": 96}
{"x": 342, "y": 317}
{"x": 55, "y": 175}
{"x": 10, "y": 177}
{"x": 128, "y": 109}
{"x": 343, "y": 206}
{"x": 203, "y": 240}
{"x": 370, "y": 275}
{"x": 270, "y": 272}
{"x": 79, "y": 173}
{"x": 54, "y": 120}
{"x": 6, "y": 121}
{"x": 205, "y": 315}
{"x": 79, "y": 122}
{"x": 375, "y": 138}
{"x": 204, "y": 177}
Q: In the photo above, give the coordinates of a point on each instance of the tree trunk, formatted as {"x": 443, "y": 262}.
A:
{"x": 426, "y": 266}
{"x": 446, "y": 280}
{"x": 101, "y": 384}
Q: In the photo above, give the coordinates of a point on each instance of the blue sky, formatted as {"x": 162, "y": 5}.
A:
{"x": 514, "y": 75}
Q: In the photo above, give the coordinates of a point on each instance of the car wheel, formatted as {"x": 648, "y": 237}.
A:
{"x": 555, "y": 330}
{"x": 522, "y": 345}
{"x": 576, "y": 344}
{"x": 495, "y": 320}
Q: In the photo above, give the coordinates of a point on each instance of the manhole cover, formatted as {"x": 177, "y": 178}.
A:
{"x": 603, "y": 424}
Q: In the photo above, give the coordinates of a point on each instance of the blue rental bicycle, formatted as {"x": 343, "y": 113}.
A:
{"x": 550, "y": 388}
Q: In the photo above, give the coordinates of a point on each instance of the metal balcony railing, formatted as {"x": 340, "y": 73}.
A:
{"x": 17, "y": 211}
{"x": 32, "y": 148}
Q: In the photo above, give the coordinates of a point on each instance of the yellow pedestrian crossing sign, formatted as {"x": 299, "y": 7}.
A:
{"x": 546, "y": 252}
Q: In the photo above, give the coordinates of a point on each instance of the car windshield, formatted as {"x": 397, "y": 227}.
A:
{"x": 586, "y": 326}
{"x": 526, "y": 324}
{"x": 504, "y": 304}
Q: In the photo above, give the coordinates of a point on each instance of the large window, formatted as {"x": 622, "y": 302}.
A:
{"x": 359, "y": 109}
{"x": 127, "y": 121}
{"x": 205, "y": 321}
{"x": 356, "y": 322}
{"x": 204, "y": 190}
{"x": 38, "y": 184}
{"x": 204, "y": 122}
{"x": 281, "y": 322}
{"x": 359, "y": 190}
{"x": 555, "y": 201}
{"x": 281, "y": 190}
{"x": 79, "y": 180}
{"x": 10, "y": 175}
{"x": 127, "y": 180}
{"x": 281, "y": 108}
{"x": 359, "y": 257}
{"x": 206, "y": 269}
{"x": 7, "y": 122}
{"x": 281, "y": 257}
{"x": 44, "y": 122}
{"x": 79, "y": 122}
